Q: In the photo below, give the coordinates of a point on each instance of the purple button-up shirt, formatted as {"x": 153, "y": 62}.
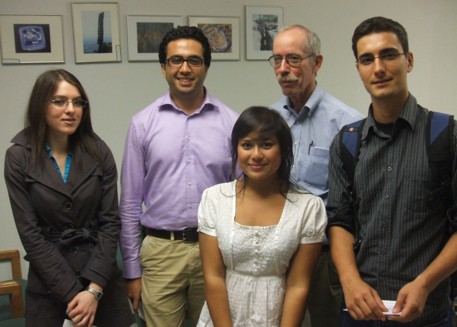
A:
{"x": 169, "y": 159}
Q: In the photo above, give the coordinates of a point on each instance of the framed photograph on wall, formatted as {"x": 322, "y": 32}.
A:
{"x": 223, "y": 34}
{"x": 262, "y": 25}
{"x": 33, "y": 39}
{"x": 96, "y": 32}
{"x": 144, "y": 34}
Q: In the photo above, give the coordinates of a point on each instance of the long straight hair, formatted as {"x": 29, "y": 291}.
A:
{"x": 84, "y": 138}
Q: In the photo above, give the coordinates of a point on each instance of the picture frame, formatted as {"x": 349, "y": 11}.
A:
{"x": 144, "y": 34}
{"x": 262, "y": 26}
{"x": 96, "y": 32}
{"x": 31, "y": 39}
{"x": 223, "y": 34}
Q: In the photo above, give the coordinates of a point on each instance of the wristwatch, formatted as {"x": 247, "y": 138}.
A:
{"x": 98, "y": 295}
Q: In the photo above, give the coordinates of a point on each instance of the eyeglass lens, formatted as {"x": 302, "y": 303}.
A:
{"x": 387, "y": 56}
{"x": 63, "y": 102}
{"x": 292, "y": 60}
{"x": 192, "y": 61}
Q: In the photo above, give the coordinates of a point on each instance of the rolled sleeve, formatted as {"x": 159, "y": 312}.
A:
{"x": 340, "y": 210}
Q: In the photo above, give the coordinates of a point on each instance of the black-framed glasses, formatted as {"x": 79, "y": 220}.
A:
{"x": 369, "y": 59}
{"x": 63, "y": 103}
{"x": 292, "y": 60}
{"x": 178, "y": 61}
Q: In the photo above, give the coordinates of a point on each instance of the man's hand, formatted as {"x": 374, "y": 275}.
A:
{"x": 410, "y": 301}
{"x": 134, "y": 292}
{"x": 362, "y": 301}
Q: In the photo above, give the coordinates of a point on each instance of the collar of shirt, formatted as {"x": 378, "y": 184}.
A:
{"x": 408, "y": 116}
{"x": 208, "y": 103}
{"x": 67, "y": 163}
{"x": 310, "y": 106}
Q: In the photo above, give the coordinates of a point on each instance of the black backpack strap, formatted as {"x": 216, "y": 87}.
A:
{"x": 350, "y": 142}
{"x": 350, "y": 139}
{"x": 440, "y": 151}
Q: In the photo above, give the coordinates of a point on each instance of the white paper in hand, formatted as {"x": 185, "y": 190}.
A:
{"x": 68, "y": 323}
{"x": 389, "y": 305}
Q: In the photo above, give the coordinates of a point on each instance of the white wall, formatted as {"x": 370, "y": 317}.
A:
{"x": 118, "y": 90}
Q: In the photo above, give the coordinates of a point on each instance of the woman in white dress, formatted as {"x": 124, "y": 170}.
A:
{"x": 260, "y": 236}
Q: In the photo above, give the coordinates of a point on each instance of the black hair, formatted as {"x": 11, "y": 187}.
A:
{"x": 185, "y": 32}
{"x": 378, "y": 25}
{"x": 266, "y": 122}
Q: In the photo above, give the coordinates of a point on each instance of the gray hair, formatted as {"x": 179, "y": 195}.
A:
{"x": 313, "y": 44}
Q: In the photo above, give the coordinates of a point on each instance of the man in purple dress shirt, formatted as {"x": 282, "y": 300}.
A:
{"x": 175, "y": 148}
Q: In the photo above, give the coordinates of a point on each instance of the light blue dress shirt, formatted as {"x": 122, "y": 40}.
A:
{"x": 313, "y": 131}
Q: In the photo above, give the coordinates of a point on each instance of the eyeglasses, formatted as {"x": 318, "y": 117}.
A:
{"x": 63, "y": 103}
{"x": 291, "y": 59}
{"x": 367, "y": 60}
{"x": 178, "y": 61}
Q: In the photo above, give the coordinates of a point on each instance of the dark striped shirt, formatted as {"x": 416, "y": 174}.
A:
{"x": 400, "y": 228}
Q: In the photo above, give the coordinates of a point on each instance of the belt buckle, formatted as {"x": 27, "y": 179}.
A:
{"x": 190, "y": 235}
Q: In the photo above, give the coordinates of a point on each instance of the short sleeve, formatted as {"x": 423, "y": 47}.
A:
{"x": 315, "y": 220}
{"x": 207, "y": 214}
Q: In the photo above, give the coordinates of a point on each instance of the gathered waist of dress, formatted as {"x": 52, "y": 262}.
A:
{"x": 254, "y": 274}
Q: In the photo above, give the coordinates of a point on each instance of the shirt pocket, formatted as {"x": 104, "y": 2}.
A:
{"x": 316, "y": 173}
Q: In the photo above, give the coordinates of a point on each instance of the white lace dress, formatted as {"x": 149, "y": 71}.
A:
{"x": 257, "y": 257}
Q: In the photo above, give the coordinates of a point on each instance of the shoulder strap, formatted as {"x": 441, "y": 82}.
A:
{"x": 440, "y": 152}
{"x": 350, "y": 139}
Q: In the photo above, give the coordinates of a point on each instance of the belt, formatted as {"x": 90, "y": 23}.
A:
{"x": 188, "y": 235}
{"x": 72, "y": 235}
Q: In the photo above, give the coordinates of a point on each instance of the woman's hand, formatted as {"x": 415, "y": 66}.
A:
{"x": 82, "y": 308}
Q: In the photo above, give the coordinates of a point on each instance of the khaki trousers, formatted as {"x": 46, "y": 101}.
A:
{"x": 172, "y": 282}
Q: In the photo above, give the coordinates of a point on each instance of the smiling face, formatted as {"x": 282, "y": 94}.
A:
{"x": 385, "y": 80}
{"x": 63, "y": 122}
{"x": 185, "y": 82}
{"x": 259, "y": 157}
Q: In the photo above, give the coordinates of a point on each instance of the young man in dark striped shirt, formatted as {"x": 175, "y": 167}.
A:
{"x": 406, "y": 245}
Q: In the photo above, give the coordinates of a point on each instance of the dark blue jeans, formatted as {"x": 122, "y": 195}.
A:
{"x": 347, "y": 321}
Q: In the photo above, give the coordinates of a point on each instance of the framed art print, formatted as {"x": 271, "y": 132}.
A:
{"x": 144, "y": 34}
{"x": 31, "y": 39}
{"x": 96, "y": 32}
{"x": 262, "y": 25}
{"x": 223, "y": 34}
